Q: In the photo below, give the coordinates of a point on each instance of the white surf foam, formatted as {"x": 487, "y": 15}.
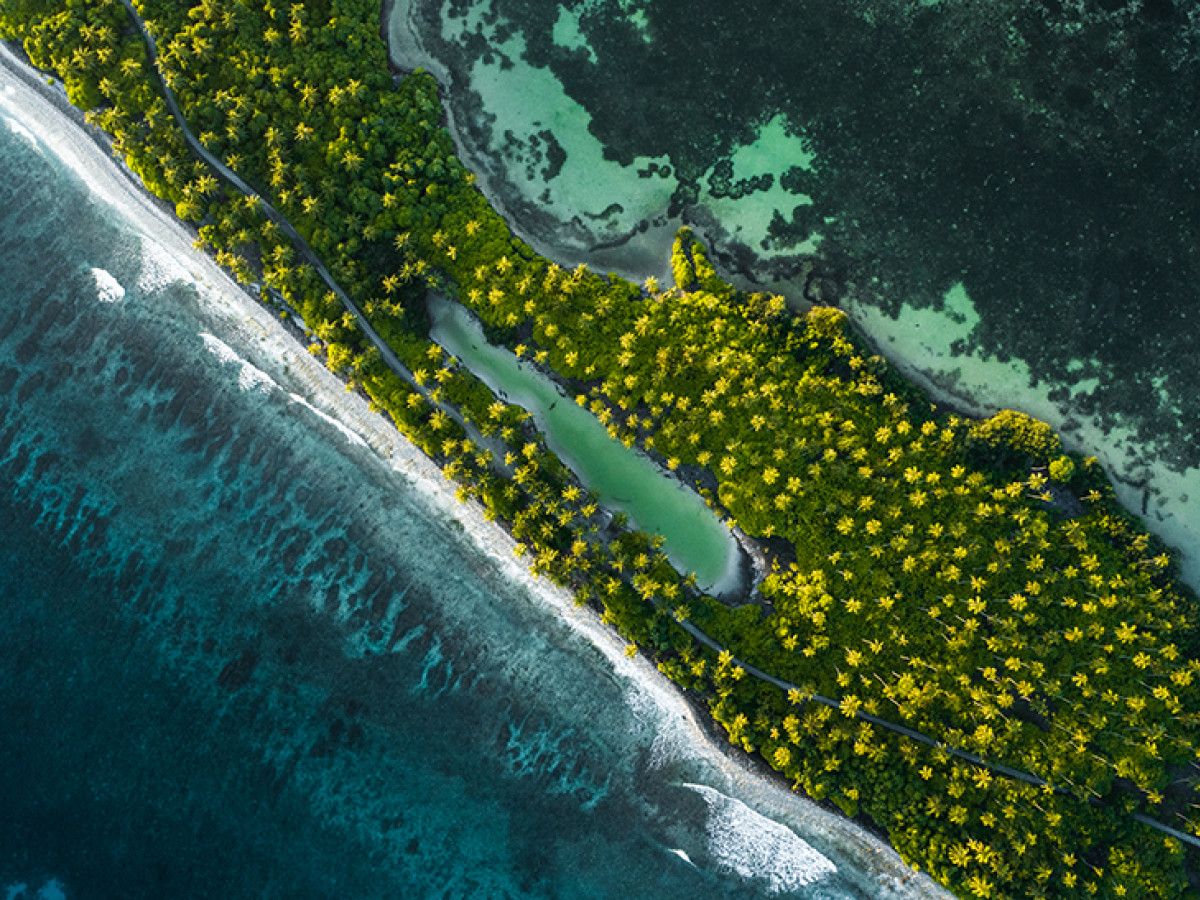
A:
{"x": 159, "y": 267}
{"x": 756, "y": 848}
{"x": 18, "y": 129}
{"x": 56, "y": 133}
{"x": 250, "y": 377}
{"x": 682, "y": 855}
{"x": 108, "y": 289}
{"x": 350, "y": 434}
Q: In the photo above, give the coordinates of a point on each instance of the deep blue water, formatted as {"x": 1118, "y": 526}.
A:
{"x": 240, "y": 657}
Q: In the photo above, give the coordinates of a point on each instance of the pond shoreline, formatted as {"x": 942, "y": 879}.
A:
{"x": 459, "y": 331}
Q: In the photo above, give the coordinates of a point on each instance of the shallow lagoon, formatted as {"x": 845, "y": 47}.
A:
{"x": 622, "y": 477}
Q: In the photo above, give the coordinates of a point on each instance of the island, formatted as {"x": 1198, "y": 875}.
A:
{"x": 945, "y": 626}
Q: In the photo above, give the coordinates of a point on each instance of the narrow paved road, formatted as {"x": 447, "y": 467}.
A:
{"x": 394, "y": 363}
{"x": 309, "y": 255}
{"x": 231, "y": 177}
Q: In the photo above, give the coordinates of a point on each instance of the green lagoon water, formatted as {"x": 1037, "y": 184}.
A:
{"x": 623, "y": 478}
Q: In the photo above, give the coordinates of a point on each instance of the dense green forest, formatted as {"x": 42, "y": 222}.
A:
{"x": 966, "y": 578}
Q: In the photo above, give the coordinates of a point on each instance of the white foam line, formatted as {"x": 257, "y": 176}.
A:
{"x": 20, "y": 130}
{"x": 159, "y": 267}
{"x": 861, "y": 857}
{"x": 52, "y": 131}
{"x": 250, "y": 377}
{"x": 351, "y": 435}
{"x": 756, "y": 848}
{"x": 682, "y": 855}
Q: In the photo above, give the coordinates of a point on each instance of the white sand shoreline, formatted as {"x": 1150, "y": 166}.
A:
{"x": 862, "y": 858}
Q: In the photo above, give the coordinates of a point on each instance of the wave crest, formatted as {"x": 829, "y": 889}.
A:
{"x": 108, "y": 289}
{"x": 349, "y": 433}
{"x": 159, "y": 267}
{"x": 250, "y": 377}
{"x": 753, "y": 847}
{"x": 18, "y": 129}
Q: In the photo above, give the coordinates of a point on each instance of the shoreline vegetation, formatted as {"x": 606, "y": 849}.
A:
{"x": 935, "y": 350}
{"x": 624, "y": 478}
{"x": 966, "y": 577}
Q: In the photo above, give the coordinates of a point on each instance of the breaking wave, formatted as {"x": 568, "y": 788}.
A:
{"x": 751, "y": 846}
{"x": 250, "y": 377}
{"x": 108, "y": 289}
